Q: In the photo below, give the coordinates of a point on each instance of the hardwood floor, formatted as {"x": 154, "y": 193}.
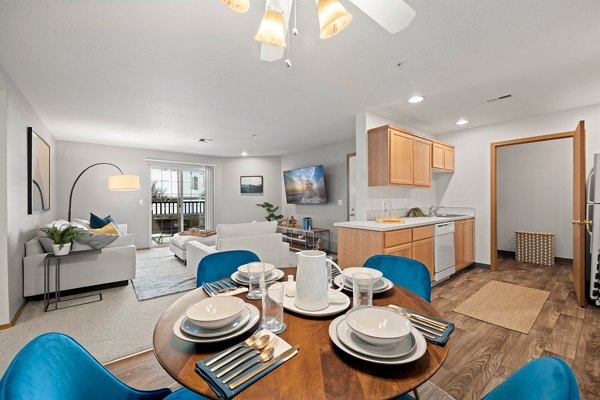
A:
{"x": 482, "y": 355}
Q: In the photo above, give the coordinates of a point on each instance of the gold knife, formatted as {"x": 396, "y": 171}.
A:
{"x": 286, "y": 355}
{"x": 416, "y": 316}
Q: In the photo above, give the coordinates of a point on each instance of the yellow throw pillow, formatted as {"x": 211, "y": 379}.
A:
{"x": 109, "y": 229}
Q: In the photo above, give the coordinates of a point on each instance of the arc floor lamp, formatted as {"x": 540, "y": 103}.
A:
{"x": 116, "y": 183}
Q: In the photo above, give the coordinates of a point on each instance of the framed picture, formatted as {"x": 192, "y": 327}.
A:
{"x": 38, "y": 173}
{"x": 251, "y": 184}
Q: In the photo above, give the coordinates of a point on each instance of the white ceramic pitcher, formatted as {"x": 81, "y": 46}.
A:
{"x": 311, "y": 280}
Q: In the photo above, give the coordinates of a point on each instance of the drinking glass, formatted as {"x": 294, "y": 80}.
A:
{"x": 362, "y": 289}
{"x": 272, "y": 308}
{"x": 256, "y": 277}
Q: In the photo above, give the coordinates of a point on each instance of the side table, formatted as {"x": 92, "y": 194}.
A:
{"x": 57, "y": 259}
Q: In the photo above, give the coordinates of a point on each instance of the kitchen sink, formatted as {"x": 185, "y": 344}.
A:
{"x": 448, "y": 215}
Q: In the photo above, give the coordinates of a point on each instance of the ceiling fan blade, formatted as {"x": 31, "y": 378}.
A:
{"x": 392, "y": 15}
{"x": 270, "y": 53}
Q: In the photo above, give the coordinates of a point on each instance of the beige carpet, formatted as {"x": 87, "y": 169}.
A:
{"x": 509, "y": 306}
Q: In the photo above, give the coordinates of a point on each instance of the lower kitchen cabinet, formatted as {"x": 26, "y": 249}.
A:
{"x": 464, "y": 243}
{"x": 423, "y": 251}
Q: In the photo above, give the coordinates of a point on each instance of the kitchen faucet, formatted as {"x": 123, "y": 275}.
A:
{"x": 433, "y": 210}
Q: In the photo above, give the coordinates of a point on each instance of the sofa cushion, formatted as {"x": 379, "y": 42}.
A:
{"x": 84, "y": 224}
{"x": 123, "y": 240}
{"x": 46, "y": 243}
{"x": 96, "y": 222}
{"x": 33, "y": 247}
{"x": 109, "y": 229}
{"x": 248, "y": 229}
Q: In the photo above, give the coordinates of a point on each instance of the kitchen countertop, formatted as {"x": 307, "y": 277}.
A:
{"x": 408, "y": 223}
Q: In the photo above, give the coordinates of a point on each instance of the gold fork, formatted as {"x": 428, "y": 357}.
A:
{"x": 246, "y": 343}
{"x": 265, "y": 355}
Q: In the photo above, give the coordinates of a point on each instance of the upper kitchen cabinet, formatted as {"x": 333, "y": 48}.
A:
{"x": 442, "y": 157}
{"x": 398, "y": 157}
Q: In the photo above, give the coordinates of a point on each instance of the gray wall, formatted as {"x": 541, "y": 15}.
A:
{"x": 16, "y": 225}
{"x": 237, "y": 207}
{"x": 92, "y": 194}
{"x": 333, "y": 158}
{"x": 535, "y": 182}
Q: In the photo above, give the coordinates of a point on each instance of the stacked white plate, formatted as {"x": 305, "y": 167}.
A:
{"x": 271, "y": 274}
{"x": 216, "y": 319}
{"x": 372, "y": 335}
{"x": 380, "y": 284}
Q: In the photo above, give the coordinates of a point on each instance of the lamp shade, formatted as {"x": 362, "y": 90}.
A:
{"x": 333, "y": 17}
{"x": 122, "y": 183}
{"x": 240, "y": 6}
{"x": 272, "y": 29}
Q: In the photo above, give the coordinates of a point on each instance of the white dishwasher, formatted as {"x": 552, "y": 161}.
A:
{"x": 444, "y": 251}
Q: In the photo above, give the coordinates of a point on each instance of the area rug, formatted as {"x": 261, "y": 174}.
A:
{"x": 504, "y": 304}
{"x": 160, "y": 273}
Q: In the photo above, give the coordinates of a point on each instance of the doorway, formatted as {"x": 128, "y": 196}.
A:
{"x": 178, "y": 202}
{"x": 578, "y": 203}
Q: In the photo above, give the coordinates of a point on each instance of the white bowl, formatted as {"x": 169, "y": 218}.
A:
{"x": 377, "y": 325}
{"x": 215, "y": 312}
{"x": 349, "y": 272}
{"x": 243, "y": 270}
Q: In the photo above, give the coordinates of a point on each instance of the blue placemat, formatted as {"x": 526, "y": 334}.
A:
{"x": 439, "y": 340}
{"x": 222, "y": 390}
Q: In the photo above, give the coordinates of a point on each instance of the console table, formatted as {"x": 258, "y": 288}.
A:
{"x": 51, "y": 257}
{"x": 305, "y": 239}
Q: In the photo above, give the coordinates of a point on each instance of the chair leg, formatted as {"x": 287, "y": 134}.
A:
{"x": 416, "y": 394}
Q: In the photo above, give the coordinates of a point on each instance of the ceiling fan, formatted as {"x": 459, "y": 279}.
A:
{"x": 273, "y": 33}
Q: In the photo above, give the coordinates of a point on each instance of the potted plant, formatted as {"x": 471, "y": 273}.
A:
{"x": 271, "y": 211}
{"x": 61, "y": 236}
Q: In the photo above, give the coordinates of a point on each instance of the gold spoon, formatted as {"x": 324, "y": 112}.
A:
{"x": 259, "y": 344}
{"x": 246, "y": 343}
{"x": 264, "y": 356}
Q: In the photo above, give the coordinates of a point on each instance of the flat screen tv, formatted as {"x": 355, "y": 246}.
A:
{"x": 305, "y": 185}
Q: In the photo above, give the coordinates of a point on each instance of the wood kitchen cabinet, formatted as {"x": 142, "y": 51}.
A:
{"x": 464, "y": 243}
{"x": 397, "y": 157}
{"x": 442, "y": 157}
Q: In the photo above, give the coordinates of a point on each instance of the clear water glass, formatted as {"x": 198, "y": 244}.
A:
{"x": 272, "y": 308}
{"x": 362, "y": 289}
{"x": 256, "y": 277}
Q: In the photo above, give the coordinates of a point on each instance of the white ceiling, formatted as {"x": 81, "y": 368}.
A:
{"x": 163, "y": 73}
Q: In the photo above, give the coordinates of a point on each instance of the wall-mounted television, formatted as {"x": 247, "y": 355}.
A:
{"x": 305, "y": 185}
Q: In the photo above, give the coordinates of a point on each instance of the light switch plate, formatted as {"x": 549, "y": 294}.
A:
{"x": 141, "y": 202}
{"x": 340, "y": 202}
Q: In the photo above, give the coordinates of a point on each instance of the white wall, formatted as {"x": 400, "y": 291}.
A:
{"x": 470, "y": 185}
{"x": 534, "y": 189}
{"x": 241, "y": 207}
{"x": 92, "y": 194}
{"x": 333, "y": 158}
{"x": 19, "y": 226}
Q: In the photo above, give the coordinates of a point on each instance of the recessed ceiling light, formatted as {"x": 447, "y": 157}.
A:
{"x": 415, "y": 99}
{"x": 462, "y": 122}
{"x": 244, "y": 154}
{"x": 205, "y": 140}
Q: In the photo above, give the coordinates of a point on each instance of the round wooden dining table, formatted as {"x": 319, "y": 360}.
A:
{"x": 319, "y": 371}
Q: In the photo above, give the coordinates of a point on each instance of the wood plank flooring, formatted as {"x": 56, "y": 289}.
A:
{"x": 482, "y": 354}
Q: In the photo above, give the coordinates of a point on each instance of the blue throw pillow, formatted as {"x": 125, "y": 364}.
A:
{"x": 96, "y": 222}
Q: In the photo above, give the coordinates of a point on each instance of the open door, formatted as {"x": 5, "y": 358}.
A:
{"x": 579, "y": 221}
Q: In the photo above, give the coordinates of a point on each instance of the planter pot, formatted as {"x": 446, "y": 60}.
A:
{"x": 61, "y": 252}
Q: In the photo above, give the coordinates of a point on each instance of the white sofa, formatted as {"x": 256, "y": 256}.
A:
{"x": 178, "y": 244}
{"x": 259, "y": 237}
{"x": 115, "y": 263}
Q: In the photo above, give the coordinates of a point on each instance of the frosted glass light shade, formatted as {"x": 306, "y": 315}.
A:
{"x": 333, "y": 17}
{"x": 240, "y": 6}
{"x": 272, "y": 29}
{"x": 122, "y": 183}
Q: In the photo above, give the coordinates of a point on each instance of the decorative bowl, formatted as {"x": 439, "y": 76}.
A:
{"x": 215, "y": 312}
{"x": 349, "y": 272}
{"x": 378, "y": 326}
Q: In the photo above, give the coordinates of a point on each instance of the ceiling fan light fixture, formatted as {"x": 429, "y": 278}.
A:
{"x": 272, "y": 29}
{"x": 333, "y": 18}
{"x": 240, "y": 6}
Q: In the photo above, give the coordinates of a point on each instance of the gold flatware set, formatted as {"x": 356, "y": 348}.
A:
{"x": 430, "y": 328}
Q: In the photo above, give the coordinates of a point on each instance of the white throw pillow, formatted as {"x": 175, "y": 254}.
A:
{"x": 249, "y": 229}
{"x": 82, "y": 223}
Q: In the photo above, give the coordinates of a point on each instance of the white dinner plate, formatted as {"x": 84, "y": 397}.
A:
{"x": 277, "y": 274}
{"x": 339, "y": 303}
{"x": 382, "y": 286}
{"x": 421, "y": 347}
{"x": 355, "y": 343}
{"x": 254, "y": 316}
{"x": 188, "y": 326}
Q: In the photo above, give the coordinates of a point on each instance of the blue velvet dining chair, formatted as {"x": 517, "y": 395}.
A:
{"x": 53, "y": 366}
{"x": 406, "y": 272}
{"x": 222, "y": 264}
{"x": 546, "y": 378}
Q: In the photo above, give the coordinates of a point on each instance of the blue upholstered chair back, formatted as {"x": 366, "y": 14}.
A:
{"x": 406, "y": 272}
{"x": 222, "y": 264}
{"x": 546, "y": 378}
{"x": 54, "y": 366}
